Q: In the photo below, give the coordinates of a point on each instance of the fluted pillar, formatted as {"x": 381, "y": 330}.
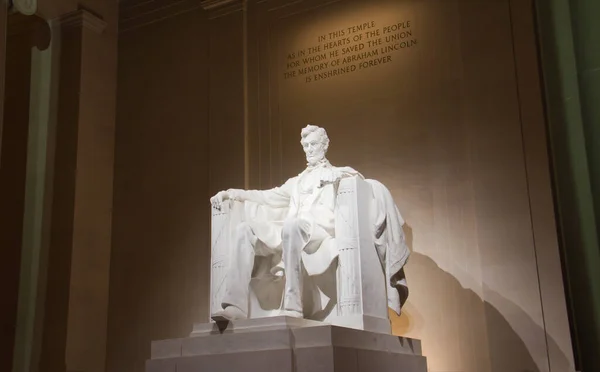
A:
{"x": 568, "y": 53}
{"x": 586, "y": 32}
{"x": 21, "y": 35}
{"x": 75, "y": 324}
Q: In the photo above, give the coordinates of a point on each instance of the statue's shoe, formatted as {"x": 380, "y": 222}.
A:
{"x": 291, "y": 313}
{"x": 228, "y": 314}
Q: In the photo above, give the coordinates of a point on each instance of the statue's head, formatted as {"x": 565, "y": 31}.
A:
{"x": 315, "y": 143}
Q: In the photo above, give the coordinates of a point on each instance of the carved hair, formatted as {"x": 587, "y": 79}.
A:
{"x": 320, "y": 131}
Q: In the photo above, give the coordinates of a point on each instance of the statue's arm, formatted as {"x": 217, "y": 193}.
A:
{"x": 277, "y": 197}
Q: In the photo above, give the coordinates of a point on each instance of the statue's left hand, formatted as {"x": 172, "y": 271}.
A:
{"x": 331, "y": 177}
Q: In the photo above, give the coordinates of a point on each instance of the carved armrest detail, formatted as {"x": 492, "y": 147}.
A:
{"x": 222, "y": 220}
{"x": 361, "y": 286}
{"x": 347, "y": 242}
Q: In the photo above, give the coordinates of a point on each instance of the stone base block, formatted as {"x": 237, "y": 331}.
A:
{"x": 285, "y": 345}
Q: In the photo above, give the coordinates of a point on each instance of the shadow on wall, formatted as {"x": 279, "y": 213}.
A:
{"x": 507, "y": 351}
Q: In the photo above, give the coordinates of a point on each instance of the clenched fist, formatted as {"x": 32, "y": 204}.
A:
{"x": 331, "y": 177}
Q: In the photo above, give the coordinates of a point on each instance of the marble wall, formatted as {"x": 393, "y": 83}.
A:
{"x": 445, "y": 119}
{"x": 447, "y": 114}
{"x": 160, "y": 255}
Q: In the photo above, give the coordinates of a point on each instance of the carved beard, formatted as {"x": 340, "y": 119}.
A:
{"x": 316, "y": 159}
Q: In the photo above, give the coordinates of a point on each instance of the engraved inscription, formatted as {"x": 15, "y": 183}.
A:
{"x": 350, "y": 49}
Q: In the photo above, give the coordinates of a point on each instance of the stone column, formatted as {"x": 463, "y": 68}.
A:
{"x": 566, "y": 33}
{"x": 586, "y": 32}
{"x": 3, "y": 28}
{"x": 92, "y": 223}
{"x": 36, "y": 209}
{"x": 79, "y": 259}
{"x": 585, "y": 16}
{"x": 21, "y": 36}
{"x": 13, "y": 154}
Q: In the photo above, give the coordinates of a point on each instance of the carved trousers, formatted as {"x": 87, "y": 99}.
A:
{"x": 263, "y": 239}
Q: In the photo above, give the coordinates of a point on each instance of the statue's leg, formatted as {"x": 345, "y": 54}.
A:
{"x": 295, "y": 236}
{"x": 241, "y": 262}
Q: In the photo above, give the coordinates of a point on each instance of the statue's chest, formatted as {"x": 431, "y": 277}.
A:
{"x": 308, "y": 183}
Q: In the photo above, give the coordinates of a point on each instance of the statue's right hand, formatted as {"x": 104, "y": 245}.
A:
{"x": 221, "y": 196}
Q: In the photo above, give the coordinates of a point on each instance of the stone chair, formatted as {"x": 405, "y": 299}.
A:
{"x": 351, "y": 293}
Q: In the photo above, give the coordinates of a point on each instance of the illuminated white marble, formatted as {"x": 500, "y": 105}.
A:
{"x": 326, "y": 245}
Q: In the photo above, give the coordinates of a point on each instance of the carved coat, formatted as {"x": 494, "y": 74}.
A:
{"x": 312, "y": 195}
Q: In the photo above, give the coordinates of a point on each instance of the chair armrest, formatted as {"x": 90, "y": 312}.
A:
{"x": 361, "y": 280}
{"x": 223, "y": 220}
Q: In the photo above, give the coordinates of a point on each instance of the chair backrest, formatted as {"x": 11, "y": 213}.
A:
{"x": 362, "y": 299}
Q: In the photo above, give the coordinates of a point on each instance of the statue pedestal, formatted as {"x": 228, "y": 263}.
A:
{"x": 285, "y": 344}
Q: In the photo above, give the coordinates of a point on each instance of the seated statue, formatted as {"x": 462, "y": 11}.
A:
{"x": 294, "y": 228}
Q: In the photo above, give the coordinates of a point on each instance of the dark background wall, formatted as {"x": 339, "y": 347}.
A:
{"x": 161, "y": 220}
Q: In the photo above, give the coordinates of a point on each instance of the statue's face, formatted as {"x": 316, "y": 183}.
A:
{"x": 314, "y": 148}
